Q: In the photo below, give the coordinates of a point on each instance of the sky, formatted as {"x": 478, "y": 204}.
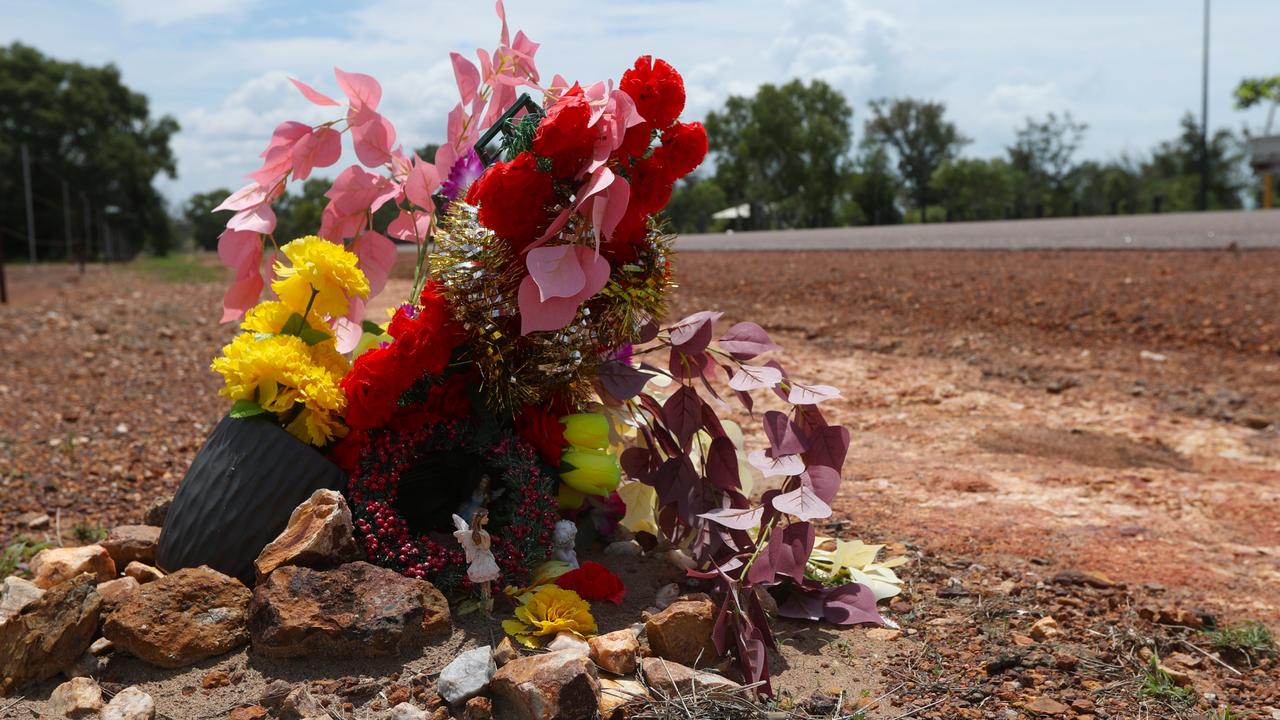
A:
{"x": 1128, "y": 68}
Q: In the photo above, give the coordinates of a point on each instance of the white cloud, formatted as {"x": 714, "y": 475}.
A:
{"x": 172, "y": 12}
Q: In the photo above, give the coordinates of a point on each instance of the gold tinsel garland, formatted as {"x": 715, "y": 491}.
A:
{"x": 481, "y": 275}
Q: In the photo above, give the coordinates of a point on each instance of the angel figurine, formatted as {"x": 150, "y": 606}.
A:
{"x": 482, "y": 569}
{"x": 563, "y": 539}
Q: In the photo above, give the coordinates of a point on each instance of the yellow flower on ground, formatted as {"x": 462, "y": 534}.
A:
{"x": 327, "y": 268}
{"x": 593, "y": 472}
{"x": 548, "y": 612}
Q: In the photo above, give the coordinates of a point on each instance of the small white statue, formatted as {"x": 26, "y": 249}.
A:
{"x": 562, "y": 541}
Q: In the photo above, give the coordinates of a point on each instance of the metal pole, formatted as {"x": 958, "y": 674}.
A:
{"x": 105, "y": 233}
{"x": 66, "y": 215}
{"x": 1204, "y": 116}
{"x": 84, "y": 245}
{"x": 31, "y": 213}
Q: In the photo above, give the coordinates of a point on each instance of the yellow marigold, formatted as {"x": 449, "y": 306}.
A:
{"x": 268, "y": 316}
{"x": 550, "y": 611}
{"x": 327, "y": 268}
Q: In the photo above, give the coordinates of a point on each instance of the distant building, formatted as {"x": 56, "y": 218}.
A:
{"x": 1264, "y": 156}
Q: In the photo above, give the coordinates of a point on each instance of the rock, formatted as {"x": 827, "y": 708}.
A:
{"x": 1021, "y": 640}
{"x": 182, "y": 618}
{"x": 215, "y": 679}
{"x": 33, "y": 520}
{"x": 1047, "y": 706}
{"x": 1171, "y": 616}
{"x": 249, "y": 712}
{"x": 54, "y": 565}
{"x": 570, "y": 642}
{"x": 478, "y": 708}
{"x": 142, "y": 572}
{"x": 550, "y": 686}
{"x": 616, "y": 693}
{"x": 155, "y": 515}
{"x": 319, "y": 535}
{"x": 467, "y": 676}
{"x": 115, "y": 592}
{"x": 666, "y": 595}
{"x": 673, "y": 679}
{"x": 1083, "y": 577}
{"x": 48, "y": 634}
{"x": 76, "y": 698}
{"x": 407, "y": 711}
{"x": 300, "y": 704}
{"x": 623, "y": 548}
{"x": 436, "y": 618}
{"x": 132, "y": 543}
{"x": 88, "y": 665}
{"x": 101, "y": 646}
{"x": 884, "y": 634}
{"x": 505, "y": 652}
{"x": 1045, "y": 629}
{"x": 17, "y": 594}
{"x": 274, "y": 694}
{"x": 682, "y": 632}
{"x": 130, "y": 704}
{"x": 353, "y": 610}
{"x": 615, "y": 652}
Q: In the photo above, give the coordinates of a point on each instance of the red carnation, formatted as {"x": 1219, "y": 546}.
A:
{"x": 684, "y": 145}
{"x": 636, "y": 142}
{"x": 631, "y": 231}
{"x": 593, "y": 581}
{"x": 651, "y": 184}
{"x": 656, "y": 88}
{"x": 543, "y": 431}
{"x": 512, "y": 197}
{"x": 373, "y": 387}
{"x": 563, "y": 135}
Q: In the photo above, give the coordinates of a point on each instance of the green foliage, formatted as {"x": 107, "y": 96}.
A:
{"x": 88, "y": 533}
{"x": 83, "y": 125}
{"x": 180, "y": 269}
{"x": 1173, "y": 172}
{"x": 1041, "y": 161}
{"x": 1253, "y": 91}
{"x": 872, "y": 190}
{"x": 783, "y": 150}
{"x": 692, "y": 204}
{"x": 1157, "y": 685}
{"x": 973, "y": 189}
{"x": 1252, "y": 640}
{"x": 18, "y": 553}
{"x": 203, "y": 225}
{"x": 921, "y": 139}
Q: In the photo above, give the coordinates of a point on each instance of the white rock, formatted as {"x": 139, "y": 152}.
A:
{"x": 130, "y": 704}
{"x": 17, "y": 594}
{"x": 623, "y": 548}
{"x": 570, "y": 642}
{"x": 666, "y": 595}
{"x": 405, "y": 711}
{"x": 467, "y": 675}
{"x": 79, "y": 697}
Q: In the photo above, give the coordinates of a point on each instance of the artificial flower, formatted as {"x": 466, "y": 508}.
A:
{"x": 466, "y": 169}
{"x": 323, "y": 269}
{"x": 635, "y": 143}
{"x": 543, "y": 431}
{"x": 855, "y": 561}
{"x": 550, "y": 611}
{"x": 586, "y": 430}
{"x": 563, "y": 135}
{"x": 569, "y": 499}
{"x": 267, "y": 317}
{"x": 656, "y": 88}
{"x": 512, "y": 198}
{"x": 684, "y": 146}
{"x": 590, "y": 471}
{"x": 593, "y": 581}
{"x": 641, "y": 501}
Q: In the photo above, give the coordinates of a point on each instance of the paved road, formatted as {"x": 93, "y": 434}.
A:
{"x": 1172, "y": 231}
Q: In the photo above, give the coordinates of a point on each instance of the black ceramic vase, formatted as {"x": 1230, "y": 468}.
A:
{"x": 238, "y": 495}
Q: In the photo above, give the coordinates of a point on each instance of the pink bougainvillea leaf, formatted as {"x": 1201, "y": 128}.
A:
{"x": 824, "y": 481}
{"x": 735, "y": 518}
{"x": 312, "y": 94}
{"x": 242, "y": 252}
{"x": 377, "y": 254}
{"x": 259, "y": 219}
{"x": 800, "y": 394}
{"x": 693, "y": 333}
{"x": 414, "y": 227}
{"x": 802, "y": 502}
{"x": 746, "y": 340}
{"x": 781, "y": 466}
{"x": 556, "y": 270}
{"x": 246, "y": 197}
{"x": 601, "y": 179}
{"x": 467, "y": 76}
{"x": 682, "y": 414}
{"x": 784, "y": 437}
{"x": 554, "y": 313}
{"x": 372, "y": 134}
{"x": 319, "y": 149}
{"x": 752, "y": 377}
{"x": 362, "y": 91}
{"x": 851, "y": 604}
{"x": 421, "y": 184}
{"x": 505, "y": 37}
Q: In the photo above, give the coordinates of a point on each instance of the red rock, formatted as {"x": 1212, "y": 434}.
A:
{"x": 673, "y": 679}
{"x": 132, "y": 543}
{"x": 319, "y": 535}
{"x": 1047, "y": 706}
{"x": 615, "y": 652}
{"x": 142, "y": 572}
{"x": 550, "y": 686}
{"x": 115, "y": 592}
{"x": 249, "y": 712}
{"x": 478, "y": 708}
{"x": 215, "y": 679}
{"x": 54, "y": 565}
{"x": 49, "y": 634}
{"x": 182, "y": 618}
{"x": 682, "y": 632}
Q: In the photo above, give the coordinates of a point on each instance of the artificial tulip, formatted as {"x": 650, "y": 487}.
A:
{"x": 569, "y": 498}
{"x": 593, "y": 472}
{"x": 586, "y": 430}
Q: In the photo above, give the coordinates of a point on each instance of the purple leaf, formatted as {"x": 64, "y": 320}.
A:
{"x": 761, "y": 570}
{"x": 745, "y": 399}
{"x": 735, "y": 518}
{"x": 720, "y": 631}
{"x": 785, "y": 437}
{"x": 621, "y": 381}
{"x": 693, "y": 333}
{"x": 802, "y": 502}
{"x": 711, "y": 422}
{"x": 752, "y": 377}
{"x": 824, "y": 481}
{"x": 686, "y": 366}
{"x": 851, "y": 604}
{"x": 758, "y": 617}
{"x": 777, "y": 389}
{"x": 789, "y": 549}
{"x": 648, "y": 332}
{"x": 752, "y": 658}
{"x": 828, "y": 446}
{"x": 682, "y": 413}
{"x": 810, "y": 394}
{"x": 722, "y": 464}
{"x": 800, "y": 605}
{"x": 635, "y": 461}
{"x": 746, "y": 340}
{"x": 781, "y": 466}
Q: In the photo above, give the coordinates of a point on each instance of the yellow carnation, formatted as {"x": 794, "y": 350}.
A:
{"x": 327, "y": 269}
{"x": 268, "y": 316}
{"x": 548, "y": 612}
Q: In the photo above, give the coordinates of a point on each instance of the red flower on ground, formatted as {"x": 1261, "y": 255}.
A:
{"x": 656, "y": 88}
{"x": 563, "y": 136}
{"x": 593, "y": 581}
{"x": 512, "y": 197}
{"x": 543, "y": 431}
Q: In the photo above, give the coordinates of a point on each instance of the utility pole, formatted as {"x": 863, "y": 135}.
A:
{"x": 84, "y": 245}
{"x": 66, "y": 215}
{"x": 1204, "y": 116}
{"x": 31, "y": 213}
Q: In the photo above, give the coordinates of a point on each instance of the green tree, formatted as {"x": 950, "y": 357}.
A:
{"x": 298, "y": 211}
{"x": 1110, "y": 188}
{"x": 872, "y": 190}
{"x": 1042, "y": 158}
{"x": 920, "y": 138}
{"x": 1252, "y": 91}
{"x": 694, "y": 201}
{"x": 81, "y": 125}
{"x": 784, "y": 151}
{"x": 202, "y": 223}
{"x": 1173, "y": 171}
{"x": 974, "y": 189}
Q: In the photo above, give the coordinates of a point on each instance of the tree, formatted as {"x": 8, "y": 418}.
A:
{"x": 872, "y": 190}
{"x": 694, "y": 201}
{"x": 1042, "y": 156}
{"x": 81, "y": 125}
{"x": 1252, "y": 91}
{"x": 201, "y": 222}
{"x": 974, "y": 189}
{"x": 1110, "y": 188}
{"x": 784, "y": 151}
{"x": 921, "y": 139}
{"x": 1173, "y": 172}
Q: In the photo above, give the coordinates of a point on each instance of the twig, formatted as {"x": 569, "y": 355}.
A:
{"x": 919, "y": 709}
{"x": 15, "y": 702}
{"x": 1209, "y": 655}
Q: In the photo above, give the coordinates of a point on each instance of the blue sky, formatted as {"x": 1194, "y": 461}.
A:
{"x": 1129, "y": 68}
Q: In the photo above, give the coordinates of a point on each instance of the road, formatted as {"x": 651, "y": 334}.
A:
{"x": 1171, "y": 231}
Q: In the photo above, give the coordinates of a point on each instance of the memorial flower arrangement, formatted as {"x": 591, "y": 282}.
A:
{"x": 530, "y": 384}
